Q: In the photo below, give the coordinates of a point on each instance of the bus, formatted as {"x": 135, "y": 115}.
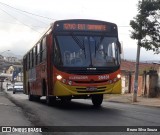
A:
{"x": 74, "y": 59}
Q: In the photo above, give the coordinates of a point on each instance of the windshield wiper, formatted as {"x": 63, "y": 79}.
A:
{"x": 98, "y": 43}
{"x": 79, "y": 43}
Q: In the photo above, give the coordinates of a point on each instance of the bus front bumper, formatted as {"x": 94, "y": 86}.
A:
{"x": 61, "y": 89}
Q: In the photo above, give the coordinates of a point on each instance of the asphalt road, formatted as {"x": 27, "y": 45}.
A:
{"x": 82, "y": 113}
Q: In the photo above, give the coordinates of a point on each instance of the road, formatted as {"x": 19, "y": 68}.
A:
{"x": 82, "y": 113}
{"x": 12, "y": 115}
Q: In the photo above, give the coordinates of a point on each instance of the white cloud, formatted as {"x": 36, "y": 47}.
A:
{"x": 21, "y": 37}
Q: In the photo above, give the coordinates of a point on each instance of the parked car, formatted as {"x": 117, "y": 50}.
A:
{"x": 9, "y": 86}
{"x": 17, "y": 87}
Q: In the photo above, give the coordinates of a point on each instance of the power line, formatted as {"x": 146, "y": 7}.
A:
{"x": 24, "y": 13}
{"x": 40, "y": 15}
{"x": 19, "y": 23}
{"x": 18, "y": 20}
{"x": 33, "y": 18}
{"x": 27, "y": 11}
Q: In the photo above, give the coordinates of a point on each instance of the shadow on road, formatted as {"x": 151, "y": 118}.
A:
{"x": 76, "y": 106}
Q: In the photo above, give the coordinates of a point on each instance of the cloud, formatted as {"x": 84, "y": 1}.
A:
{"x": 18, "y": 39}
{"x": 18, "y": 31}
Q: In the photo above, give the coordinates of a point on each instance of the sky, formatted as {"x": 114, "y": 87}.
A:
{"x": 22, "y": 22}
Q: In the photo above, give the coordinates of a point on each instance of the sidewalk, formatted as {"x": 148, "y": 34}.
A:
{"x": 127, "y": 98}
{"x": 10, "y": 114}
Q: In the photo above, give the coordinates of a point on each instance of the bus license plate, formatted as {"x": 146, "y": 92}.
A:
{"x": 91, "y": 89}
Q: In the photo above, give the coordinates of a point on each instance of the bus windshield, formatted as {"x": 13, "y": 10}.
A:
{"x": 86, "y": 51}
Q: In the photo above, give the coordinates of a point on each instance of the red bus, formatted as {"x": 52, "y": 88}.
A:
{"x": 74, "y": 59}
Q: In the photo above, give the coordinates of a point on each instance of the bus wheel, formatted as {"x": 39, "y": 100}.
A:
{"x": 37, "y": 98}
{"x": 65, "y": 99}
{"x": 97, "y": 100}
{"x": 50, "y": 100}
{"x": 30, "y": 97}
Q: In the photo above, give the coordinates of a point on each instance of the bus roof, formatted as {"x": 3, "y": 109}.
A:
{"x": 83, "y": 21}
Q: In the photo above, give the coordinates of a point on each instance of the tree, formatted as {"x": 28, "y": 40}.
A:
{"x": 146, "y": 29}
{"x": 146, "y": 25}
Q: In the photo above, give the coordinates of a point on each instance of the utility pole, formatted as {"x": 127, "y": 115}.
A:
{"x": 136, "y": 72}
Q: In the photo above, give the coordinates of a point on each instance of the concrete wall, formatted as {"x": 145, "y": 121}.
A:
{"x": 140, "y": 85}
{"x": 151, "y": 87}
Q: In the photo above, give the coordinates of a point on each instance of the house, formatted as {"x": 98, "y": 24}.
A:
{"x": 16, "y": 71}
{"x": 12, "y": 59}
{"x": 128, "y": 70}
{"x": 1, "y": 58}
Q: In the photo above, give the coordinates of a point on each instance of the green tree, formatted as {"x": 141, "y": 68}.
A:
{"x": 146, "y": 25}
{"x": 146, "y": 29}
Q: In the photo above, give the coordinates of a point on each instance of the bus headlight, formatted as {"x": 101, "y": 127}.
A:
{"x": 118, "y": 76}
{"x": 59, "y": 77}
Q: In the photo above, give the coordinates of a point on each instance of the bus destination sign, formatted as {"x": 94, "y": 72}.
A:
{"x": 87, "y": 27}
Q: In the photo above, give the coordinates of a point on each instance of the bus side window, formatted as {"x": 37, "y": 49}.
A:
{"x": 38, "y": 53}
{"x": 44, "y": 49}
{"x": 32, "y": 57}
{"x": 27, "y": 61}
{"x": 35, "y": 55}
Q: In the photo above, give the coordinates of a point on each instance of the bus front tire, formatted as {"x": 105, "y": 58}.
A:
{"x": 30, "y": 97}
{"x": 50, "y": 100}
{"x": 65, "y": 99}
{"x": 97, "y": 100}
{"x": 33, "y": 98}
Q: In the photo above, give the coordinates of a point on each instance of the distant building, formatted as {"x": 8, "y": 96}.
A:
{"x": 11, "y": 59}
{"x": 16, "y": 71}
{"x": 3, "y": 64}
{"x": 128, "y": 70}
{"x": 1, "y": 58}
{"x": 10, "y": 70}
{"x": 11, "y": 66}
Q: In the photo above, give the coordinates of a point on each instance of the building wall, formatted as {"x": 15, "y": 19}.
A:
{"x": 10, "y": 70}
{"x": 12, "y": 59}
{"x": 123, "y": 84}
{"x": 1, "y": 58}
